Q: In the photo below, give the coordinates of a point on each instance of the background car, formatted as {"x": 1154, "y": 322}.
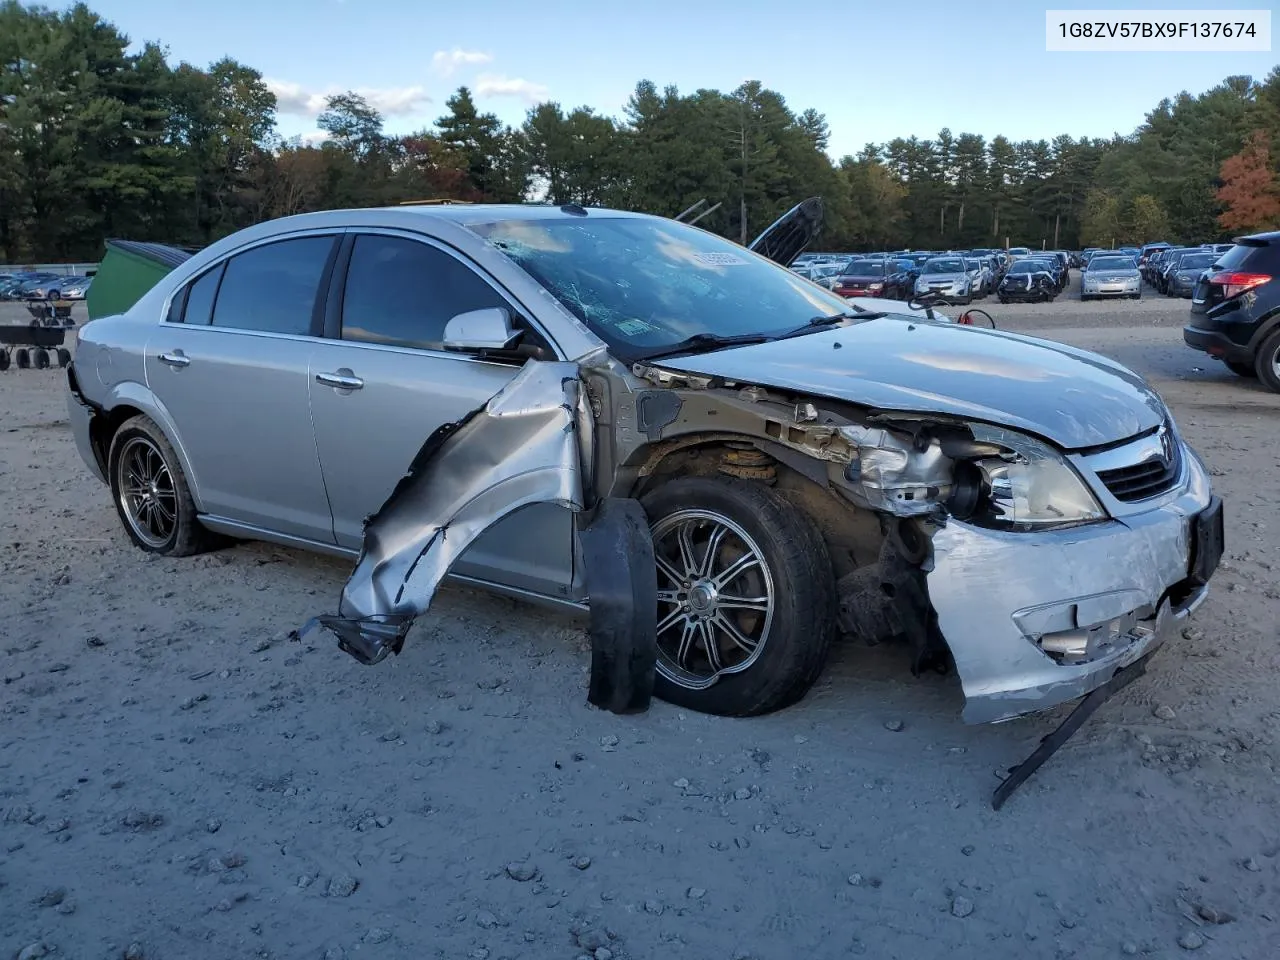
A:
{"x": 1111, "y": 276}
{"x": 1027, "y": 281}
{"x": 873, "y": 278}
{"x": 946, "y": 276}
{"x": 980, "y": 276}
{"x": 68, "y": 288}
{"x": 1168, "y": 263}
{"x": 1235, "y": 309}
{"x": 1181, "y": 280}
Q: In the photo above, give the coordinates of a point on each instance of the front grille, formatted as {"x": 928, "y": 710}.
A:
{"x": 1142, "y": 481}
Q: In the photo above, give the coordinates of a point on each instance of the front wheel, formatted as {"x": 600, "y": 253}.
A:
{"x": 151, "y": 493}
{"x": 746, "y": 596}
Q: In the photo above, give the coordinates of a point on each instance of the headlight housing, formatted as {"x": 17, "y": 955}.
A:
{"x": 1028, "y": 486}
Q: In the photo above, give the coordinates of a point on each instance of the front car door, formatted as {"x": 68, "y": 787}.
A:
{"x": 381, "y": 384}
{"x": 230, "y": 364}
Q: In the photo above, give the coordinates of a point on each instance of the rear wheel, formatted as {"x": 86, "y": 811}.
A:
{"x": 150, "y": 492}
{"x": 21, "y": 358}
{"x": 746, "y": 596}
{"x": 64, "y": 356}
{"x": 42, "y": 359}
{"x": 1267, "y": 362}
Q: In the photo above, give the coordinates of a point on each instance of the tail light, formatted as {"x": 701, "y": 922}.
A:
{"x": 1233, "y": 284}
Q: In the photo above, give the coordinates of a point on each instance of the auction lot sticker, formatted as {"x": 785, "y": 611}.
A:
{"x": 1162, "y": 31}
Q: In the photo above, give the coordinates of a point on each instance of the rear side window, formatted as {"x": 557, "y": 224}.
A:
{"x": 273, "y": 288}
{"x": 1247, "y": 258}
{"x": 197, "y": 302}
{"x": 403, "y": 292}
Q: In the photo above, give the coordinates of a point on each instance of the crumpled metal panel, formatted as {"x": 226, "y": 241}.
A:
{"x": 526, "y": 445}
{"x": 992, "y": 590}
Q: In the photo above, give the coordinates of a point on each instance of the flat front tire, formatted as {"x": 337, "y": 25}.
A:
{"x": 746, "y": 596}
{"x": 150, "y": 491}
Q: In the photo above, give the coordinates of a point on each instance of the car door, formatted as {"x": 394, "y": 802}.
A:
{"x": 230, "y": 364}
{"x": 381, "y": 384}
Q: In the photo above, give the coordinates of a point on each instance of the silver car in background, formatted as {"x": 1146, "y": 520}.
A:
{"x": 948, "y": 277}
{"x": 461, "y": 390}
{"x": 1110, "y": 276}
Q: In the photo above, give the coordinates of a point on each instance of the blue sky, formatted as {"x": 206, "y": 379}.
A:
{"x": 877, "y": 70}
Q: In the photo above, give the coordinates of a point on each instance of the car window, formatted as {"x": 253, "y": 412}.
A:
{"x": 273, "y": 288}
{"x": 403, "y": 292}
{"x": 196, "y": 305}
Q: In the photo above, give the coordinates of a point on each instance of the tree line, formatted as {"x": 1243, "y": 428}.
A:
{"x": 97, "y": 142}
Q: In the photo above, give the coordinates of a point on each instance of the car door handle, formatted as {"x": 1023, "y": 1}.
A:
{"x": 175, "y": 359}
{"x": 341, "y": 380}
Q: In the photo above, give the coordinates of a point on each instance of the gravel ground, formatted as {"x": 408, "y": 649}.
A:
{"x": 179, "y": 781}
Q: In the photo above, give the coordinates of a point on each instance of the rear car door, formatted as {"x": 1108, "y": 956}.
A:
{"x": 230, "y": 365}
{"x": 381, "y": 383}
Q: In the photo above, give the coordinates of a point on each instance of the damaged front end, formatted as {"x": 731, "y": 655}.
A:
{"x": 1001, "y": 556}
{"x": 1038, "y": 592}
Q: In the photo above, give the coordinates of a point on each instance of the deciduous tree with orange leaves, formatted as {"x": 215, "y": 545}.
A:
{"x": 1250, "y": 190}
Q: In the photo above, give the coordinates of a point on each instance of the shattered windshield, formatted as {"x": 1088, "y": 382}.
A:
{"x": 642, "y": 285}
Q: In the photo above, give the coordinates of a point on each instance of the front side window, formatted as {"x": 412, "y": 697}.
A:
{"x": 645, "y": 284}
{"x": 403, "y": 292}
{"x": 273, "y": 288}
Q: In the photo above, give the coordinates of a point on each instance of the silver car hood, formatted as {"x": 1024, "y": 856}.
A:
{"x": 943, "y": 277}
{"x": 1070, "y": 397}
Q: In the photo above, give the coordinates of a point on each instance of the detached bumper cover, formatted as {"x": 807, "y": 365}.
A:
{"x": 80, "y": 415}
{"x": 1107, "y": 593}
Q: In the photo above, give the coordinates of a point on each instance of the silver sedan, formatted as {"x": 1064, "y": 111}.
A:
{"x": 1110, "y": 276}
{"x": 473, "y": 391}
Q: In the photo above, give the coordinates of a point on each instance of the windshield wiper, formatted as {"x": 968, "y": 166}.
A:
{"x": 817, "y": 323}
{"x": 703, "y": 342}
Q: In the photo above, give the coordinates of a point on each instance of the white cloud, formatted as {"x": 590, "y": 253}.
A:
{"x": 497, "y": 85}
{"x": 296, "y": 100}
{"x": 445, "y": 62}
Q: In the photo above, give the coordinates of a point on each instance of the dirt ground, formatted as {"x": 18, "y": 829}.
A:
{"x": 178, "y": 781}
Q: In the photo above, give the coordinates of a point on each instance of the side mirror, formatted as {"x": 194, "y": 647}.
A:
{"x": 486, "y": 329}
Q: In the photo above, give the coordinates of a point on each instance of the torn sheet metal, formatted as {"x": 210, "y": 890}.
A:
{"x": 526, "y": 445}
{"x": 1005, "y": 601}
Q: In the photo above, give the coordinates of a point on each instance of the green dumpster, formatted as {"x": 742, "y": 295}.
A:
{"x": 129, "y": 269}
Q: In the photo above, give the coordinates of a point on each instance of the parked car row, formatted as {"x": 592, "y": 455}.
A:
{"x": 1174, "y": 270}
{"x": 43, "y": 286}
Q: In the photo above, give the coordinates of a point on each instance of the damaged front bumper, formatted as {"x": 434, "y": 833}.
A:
{"x": 1037, "y": 619}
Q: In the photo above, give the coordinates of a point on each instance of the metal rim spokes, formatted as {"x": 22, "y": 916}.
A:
{"x": 715, "y": 598}
{"x": 147, "y": 493}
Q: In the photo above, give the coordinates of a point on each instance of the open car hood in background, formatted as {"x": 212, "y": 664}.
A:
{"x": 791, "y": 233}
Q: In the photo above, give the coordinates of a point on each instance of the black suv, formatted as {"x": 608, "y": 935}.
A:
{"x": 1235, "y": 309}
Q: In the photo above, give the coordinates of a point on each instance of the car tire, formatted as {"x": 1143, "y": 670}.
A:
{"x": 22, "y": 358}
{"x": 4, "y": 359}
{"x": 1084, "y": 297}
{"x": 41, "y": 359}
{"x": 793, "y": 570}
{"x": 1004, "y": 299}
{"x": 140, "y": 449}
{"x": 1241, "y": 369}
{"x": 1267, "y": 362}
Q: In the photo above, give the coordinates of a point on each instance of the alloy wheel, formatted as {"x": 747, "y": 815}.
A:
{"x": 715, "y": 597}
{"x": 146, "y": 491}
